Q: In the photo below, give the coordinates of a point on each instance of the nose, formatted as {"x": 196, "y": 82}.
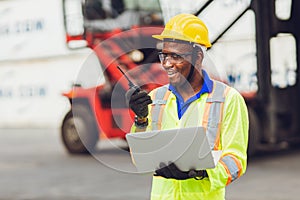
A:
{"x": 167, "y": 64}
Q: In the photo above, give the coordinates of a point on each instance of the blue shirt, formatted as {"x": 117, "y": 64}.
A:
{"x": 183, "y": 106}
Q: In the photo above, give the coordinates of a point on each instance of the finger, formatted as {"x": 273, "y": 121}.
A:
{"x": 139, "y": 95}
{"x": 129, "y": 93}
{"x": 176, "y": 172}
{"x": 143, "y": 100}
{"x": 162, "y": 165}
{"x": 164, "y": 171}
{"x": 142, "y": 113}
{"x": 139, "y": 100}
{"x": 159, "y": 169}
{"x": 146, "y": 102}
{"x": 173, "y": 167}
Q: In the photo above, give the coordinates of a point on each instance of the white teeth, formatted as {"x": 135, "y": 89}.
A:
{"x": 171, "y": 72}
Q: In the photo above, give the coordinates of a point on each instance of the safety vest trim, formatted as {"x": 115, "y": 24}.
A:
{"x": 213, "y": 113}
{"x": 160, "y": 98}
{"x": 233, "y": 167}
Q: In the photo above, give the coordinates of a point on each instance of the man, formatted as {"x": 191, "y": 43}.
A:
{"x": 193, "y": 99}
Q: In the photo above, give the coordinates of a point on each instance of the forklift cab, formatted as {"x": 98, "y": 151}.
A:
{"x": 108, "y": 15}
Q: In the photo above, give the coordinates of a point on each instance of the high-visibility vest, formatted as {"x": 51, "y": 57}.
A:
{"x": 212, "y": 114}
{"x": 212, "y": 118}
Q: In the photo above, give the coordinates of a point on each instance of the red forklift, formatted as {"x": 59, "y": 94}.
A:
{"x": 260, "y": 38}
{"x": 120, "y": 37}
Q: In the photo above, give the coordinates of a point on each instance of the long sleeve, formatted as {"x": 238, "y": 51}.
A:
{"x": 234, "y": 142}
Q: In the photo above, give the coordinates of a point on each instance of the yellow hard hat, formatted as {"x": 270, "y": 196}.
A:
{"x": 186, "y": 27}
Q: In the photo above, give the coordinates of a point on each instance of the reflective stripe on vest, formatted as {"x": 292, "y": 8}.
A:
{"x": 212, "y": 120}
{"x": 233, "y": 167}
{"x": 213, "y": 113}
{"x": 160, "y": 98}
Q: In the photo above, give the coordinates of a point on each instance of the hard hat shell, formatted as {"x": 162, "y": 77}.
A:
{"x": 186, "y": 27}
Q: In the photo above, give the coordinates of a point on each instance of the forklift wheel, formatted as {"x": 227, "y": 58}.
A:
{"x": 79, "y": 132}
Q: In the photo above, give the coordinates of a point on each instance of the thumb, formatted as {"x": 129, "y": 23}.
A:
{"x": 128, "y": 95}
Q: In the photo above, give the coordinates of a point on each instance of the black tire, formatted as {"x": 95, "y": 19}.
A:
{"x": 254, "y": 133}
{"x": 79, "y": 131}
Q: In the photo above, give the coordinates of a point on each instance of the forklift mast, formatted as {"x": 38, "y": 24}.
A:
{"x": 277, "y": 104}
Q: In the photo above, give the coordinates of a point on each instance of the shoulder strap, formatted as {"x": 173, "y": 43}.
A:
{"x": 213, "y": 113}
{"x": 160, "y": 98}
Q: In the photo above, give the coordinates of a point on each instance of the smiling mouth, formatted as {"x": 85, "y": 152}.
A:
{"x": 171, "y": 72}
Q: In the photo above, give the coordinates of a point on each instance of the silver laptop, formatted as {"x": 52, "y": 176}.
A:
{"x": 188, "y": 148}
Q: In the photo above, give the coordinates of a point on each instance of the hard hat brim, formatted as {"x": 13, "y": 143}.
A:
{"x": 159, "y": 37}
{"x": 171, "y": 37}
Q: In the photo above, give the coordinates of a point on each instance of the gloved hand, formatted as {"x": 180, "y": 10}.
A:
{"x": 172, "y": 171}
{"x": 138, "y": 100}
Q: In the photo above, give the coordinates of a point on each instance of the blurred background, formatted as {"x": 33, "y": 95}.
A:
{"x": 63, "y": 117}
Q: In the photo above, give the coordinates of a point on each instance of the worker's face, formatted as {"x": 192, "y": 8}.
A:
{"x": 176, "y": 59}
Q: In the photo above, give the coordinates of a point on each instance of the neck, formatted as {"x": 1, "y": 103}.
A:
{"x": 192, "y": 87}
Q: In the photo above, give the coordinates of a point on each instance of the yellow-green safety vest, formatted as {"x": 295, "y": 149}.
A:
{"x": 223, "y": 113}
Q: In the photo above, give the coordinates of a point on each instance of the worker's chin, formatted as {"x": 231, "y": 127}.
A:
{"x": 176, "y": 82}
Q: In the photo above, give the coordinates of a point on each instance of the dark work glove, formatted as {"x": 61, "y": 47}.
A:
{"x": 138, "y": 101}
{"x": 172, "y": 171}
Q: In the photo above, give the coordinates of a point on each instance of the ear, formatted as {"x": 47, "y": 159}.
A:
{"x": 199, "y": 57}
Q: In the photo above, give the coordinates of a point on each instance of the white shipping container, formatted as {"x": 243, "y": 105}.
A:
{"x": 36, "y": 65}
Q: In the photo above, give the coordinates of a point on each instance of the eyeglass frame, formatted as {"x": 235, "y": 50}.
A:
{"x": 171, "y": 55}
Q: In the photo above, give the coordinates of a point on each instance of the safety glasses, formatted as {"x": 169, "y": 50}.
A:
{"x": 174, "y": 58}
